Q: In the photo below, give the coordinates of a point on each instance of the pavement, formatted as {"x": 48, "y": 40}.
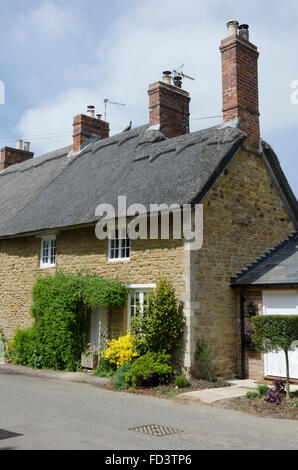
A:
{"x": 64, "y": 411}
{"x": 80, "y": 377}
{"x": 238, "y": 388}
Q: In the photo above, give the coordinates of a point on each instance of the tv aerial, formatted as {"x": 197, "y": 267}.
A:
{"x": 106, "y": 102}
{"x": 177, "y": 74}
{"x": 178, "y": 71}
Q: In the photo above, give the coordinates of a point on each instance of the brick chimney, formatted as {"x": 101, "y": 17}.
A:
{"x": 240, "y": 83}
{"x": 10, "y": 156}
{"x": 169, "y": 106}
{"x": 85, "y": 126}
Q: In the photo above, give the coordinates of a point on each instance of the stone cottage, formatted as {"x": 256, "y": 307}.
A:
{"x": 48, "y": 208}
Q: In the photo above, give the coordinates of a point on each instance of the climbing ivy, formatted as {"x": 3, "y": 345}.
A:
{"x": 58, "y": 334}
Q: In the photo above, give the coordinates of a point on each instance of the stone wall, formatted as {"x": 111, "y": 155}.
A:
{"x": 243, "y": 217}
{"x": 80, "y": 251}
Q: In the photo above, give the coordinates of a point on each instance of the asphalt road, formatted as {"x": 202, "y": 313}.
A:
{"x": 54, "y": 414}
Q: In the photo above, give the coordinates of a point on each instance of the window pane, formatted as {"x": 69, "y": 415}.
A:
{"x": 48, "y": 252}
{"x": 119, "y": 244}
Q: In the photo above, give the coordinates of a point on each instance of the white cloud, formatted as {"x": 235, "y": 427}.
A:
{"x": 48, "y": 22}
{"x": 149, "y": 37}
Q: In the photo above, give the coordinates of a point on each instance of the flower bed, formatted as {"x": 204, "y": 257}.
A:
{"x": 170, "y": 390}
{"x": 258, "y": 406}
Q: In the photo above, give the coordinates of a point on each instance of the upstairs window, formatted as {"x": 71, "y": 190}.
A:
{"x": 119, "y": 245}
{"x": 48, "y": 252}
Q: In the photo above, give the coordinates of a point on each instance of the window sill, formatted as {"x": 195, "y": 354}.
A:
{"x": 118, "y": 260}
{"x": 47, "y": 266}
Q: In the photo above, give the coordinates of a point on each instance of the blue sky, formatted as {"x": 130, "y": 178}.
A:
{"x": 58, "y": 56}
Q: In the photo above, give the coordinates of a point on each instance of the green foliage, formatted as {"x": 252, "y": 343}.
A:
{"x": 262, "y": 389}
{"x": 181, "y": 381}
{"x": 252, "y": 395}
{"x": 295, "y": 403}
{"x": 150, "y": 369}
{"x": 275, "y": 332}
{"x": 21, "y": 348}
{"x": 103, "y": 292}
{"x": 119, "y": 378}
{"x": 104, "y": 368}
{"x": 159, "y": 326}
{"x": 205, "y": 358}
{"x": 3, "y": 337}
{"x": 58, "y": 335}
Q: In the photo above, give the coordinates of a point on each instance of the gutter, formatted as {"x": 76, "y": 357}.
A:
{"x": 242, "y": 342}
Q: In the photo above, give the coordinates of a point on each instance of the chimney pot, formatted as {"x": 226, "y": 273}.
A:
{"x": 178, "y": 81}
{"x": 91, "y": 111}
{"x": 244, "y": 31}
{"x": 99, "y": 116}
{"x": 167, "y": 77}
{"x": 27, "y": 146}
{"x": 19, "y": 144}
{"x": 232, "y": 27}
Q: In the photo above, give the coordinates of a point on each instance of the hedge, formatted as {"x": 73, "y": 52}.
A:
{"x": 275, "y": 332}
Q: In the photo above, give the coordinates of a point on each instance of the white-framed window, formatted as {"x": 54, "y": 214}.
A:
{"x": 48, "y": 252}
{"x": 138, "y": 297}
{"x": 119, "y": 244}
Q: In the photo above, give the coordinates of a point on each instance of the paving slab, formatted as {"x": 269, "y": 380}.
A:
{"x": 214, "y": 394}
{"x": 238, "y": 388}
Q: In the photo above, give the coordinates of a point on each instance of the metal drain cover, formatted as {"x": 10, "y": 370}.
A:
{"x": 7, "y": 434}
{"x": 156, "y": 430}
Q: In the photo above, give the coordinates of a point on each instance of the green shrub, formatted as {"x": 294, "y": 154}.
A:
{"x": 295, "y": 403}
{"x": 150, "y": 370}
{"x": 159, "y": 326}
{"x": 262, "y": 389}
{"x": 273, "y": 333}
{"x": 119, "y": 377}
{"x": 252, "y": 395}
{"x": 104, "y": 368}
{"x": 181, "y": 381}
{"x": 22, "y": 348}
{"x": 205, "y": 361}
{"x": 58, "y": 335}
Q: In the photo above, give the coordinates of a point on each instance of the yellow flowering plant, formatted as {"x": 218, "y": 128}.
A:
{"x": 120, "y": 351}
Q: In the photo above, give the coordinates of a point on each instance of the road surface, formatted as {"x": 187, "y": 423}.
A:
{"x": 54, "y": 414}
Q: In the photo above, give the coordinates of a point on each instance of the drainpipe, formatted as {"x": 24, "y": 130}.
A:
{"x": 242, "y": 300}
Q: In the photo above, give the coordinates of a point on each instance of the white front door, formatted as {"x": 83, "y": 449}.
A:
{"x": 94, "y": 327}
{"x": 281, "y": 303}
{"x": 99, "y": 327}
